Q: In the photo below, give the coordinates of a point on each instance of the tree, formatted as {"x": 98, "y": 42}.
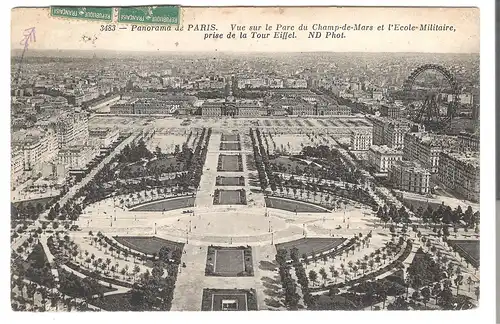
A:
{"x": 459, "y": 281}
{"x": 305, "y": 259}
{"x": 313, "y": 276}
{"x": 436, "y": 291}
{"x": 136, "y": 270}
{"x": 332, "y": 270}
{"x": 108, "y": 262}
{"x": 426, "y": 295}
{"x": 323, "y": 275}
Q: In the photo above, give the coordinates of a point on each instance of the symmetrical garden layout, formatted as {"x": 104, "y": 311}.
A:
{"x": 287, "y": 223}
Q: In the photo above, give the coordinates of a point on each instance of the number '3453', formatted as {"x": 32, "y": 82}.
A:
{"x": 108, "y": 27}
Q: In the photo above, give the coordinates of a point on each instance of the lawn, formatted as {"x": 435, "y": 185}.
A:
{"x": 37, "y": 268}
{"x": 148, "y": 245}
{"x": 165, "y": 164}
{"x": 74, "y": 286}
{"x": 231, "y": 163}
{"x": 291, "y": 165}
{"x": 293, "y": 205}
{"x": 230, "y": 146}
{"x": 43, "y": 201}
{"x": 468, "y": 249}
{"x": 166, "y": 205}
{"x": 229, "y": 138}
{"x": 310, "y": 245}
{"x": 229, "y": 261}
{"x": 234, "y": 299}
{"x": 230, "y": 197}
{"x": 420, "y": 203}
{"x": 230, "y": 181}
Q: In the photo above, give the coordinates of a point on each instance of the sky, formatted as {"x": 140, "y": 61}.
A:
{"x": 69, "y": 34}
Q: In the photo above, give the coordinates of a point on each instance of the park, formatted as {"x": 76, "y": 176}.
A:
{"x": 217, "y": 230}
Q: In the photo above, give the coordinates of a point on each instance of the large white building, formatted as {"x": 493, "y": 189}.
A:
{"x": 76, "y": 157}
{"x": 459, "y": 172}
{"x": 383, "y": 157}
{"x": 390, "y": 132}
{"x": 410, "y": 176}
{"x": 39, "y": 149}
{"x": 103, "y": 137}
{"x": 16, "y": 165}
{"x": 72, "y": 130}
{"x": 425, "y": 148}
{"x": 361, "y": 139}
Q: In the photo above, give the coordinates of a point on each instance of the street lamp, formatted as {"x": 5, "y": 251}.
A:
{"x": 155, "y": 228}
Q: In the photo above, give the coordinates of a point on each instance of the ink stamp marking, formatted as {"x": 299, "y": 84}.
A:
{"x": 85, "y": 13}
{"x": 166, "y": 15}
{"x": 29, "y": 36}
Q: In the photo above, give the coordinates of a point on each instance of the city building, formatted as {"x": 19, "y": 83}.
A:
{"x": 459, "y": 172}
{"x": 233, "y": 107}
{"x": 377, "y": 95}
{"x": 395, "y": 133}
{"x": 76, "y": 157}
{"x": 104, "y": 102}
{"x": 324, "y": 109}
{"x": 212, "y": 108}
{"x": 390, "y": 111}
{"x": 16, "y": 164}
{"x": 72, "y": 129}
{"x": 296, "y": 83}
{"x": 361, "y": 139}
{"x": 123, "y": 107}
{"x": 103, "y": 137}
{"x": 426, "y": 147}
{"x": 302, "y": 108}
{"x": 410, "y": 176}
{"x": 378, "y": 130}
{"x": 38, "y": 149}
{"x": 468, "y": 141}
{"x": 390, "y": 132}
{"x": 383, "y": 157}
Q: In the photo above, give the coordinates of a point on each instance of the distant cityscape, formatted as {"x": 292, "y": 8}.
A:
{"x": 51, "y": 110}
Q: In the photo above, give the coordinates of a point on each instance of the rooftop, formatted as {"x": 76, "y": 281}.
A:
{"x": 471, "y": 158}
{"x": 412, "y": 165}
{"x": 384, "y": 149}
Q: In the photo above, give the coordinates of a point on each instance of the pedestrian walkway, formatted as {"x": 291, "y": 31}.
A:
{"x": 190, "y": 281}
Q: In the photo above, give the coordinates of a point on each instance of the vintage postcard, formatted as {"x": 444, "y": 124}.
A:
{"x": 168, "y": 158}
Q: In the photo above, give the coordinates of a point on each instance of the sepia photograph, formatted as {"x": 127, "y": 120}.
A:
{"x": 168, "y": 158}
